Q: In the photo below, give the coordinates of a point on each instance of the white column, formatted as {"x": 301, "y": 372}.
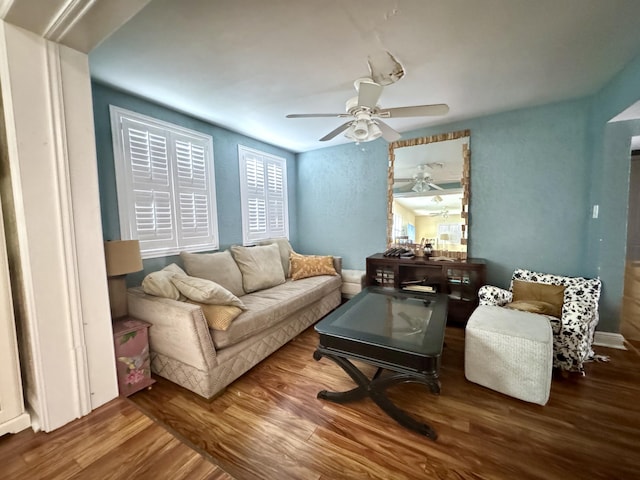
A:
{"x": 57, "y": 240}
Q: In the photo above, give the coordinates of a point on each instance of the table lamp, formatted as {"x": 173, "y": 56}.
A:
{"x": 122, "y": 257}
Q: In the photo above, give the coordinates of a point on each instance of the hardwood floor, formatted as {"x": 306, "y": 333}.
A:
{"x": 115, "y": 441}
{"x": 269, "y": 423}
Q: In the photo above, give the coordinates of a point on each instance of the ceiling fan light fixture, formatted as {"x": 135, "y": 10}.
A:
{"x": 361, "y": 127}
{"x": 374, "y": 130}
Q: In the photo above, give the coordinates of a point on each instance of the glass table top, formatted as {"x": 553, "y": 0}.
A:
{"x": 390, "y": 318}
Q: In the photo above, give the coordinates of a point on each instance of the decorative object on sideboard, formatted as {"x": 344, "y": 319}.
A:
{"x": 122, "y": 257}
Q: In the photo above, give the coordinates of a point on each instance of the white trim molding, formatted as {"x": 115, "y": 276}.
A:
{"x": 609, "y": 340}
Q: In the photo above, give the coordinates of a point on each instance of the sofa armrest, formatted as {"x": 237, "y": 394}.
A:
{"x": 337, "y": 264}
{"x": 494, "y": 296}
{"x": 179, "y": 329}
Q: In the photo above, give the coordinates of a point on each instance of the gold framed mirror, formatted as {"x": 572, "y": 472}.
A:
{"x": 429, "y": 192}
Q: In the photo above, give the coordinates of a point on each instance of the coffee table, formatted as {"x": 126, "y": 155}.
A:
{"x": 397, "y": 331}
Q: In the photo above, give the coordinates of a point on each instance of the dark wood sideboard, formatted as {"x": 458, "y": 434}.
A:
{"x": 460, "y": 279}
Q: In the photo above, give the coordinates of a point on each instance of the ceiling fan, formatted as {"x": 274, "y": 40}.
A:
{"x": 366, "y": 124}
{"x": 422, "y": 180}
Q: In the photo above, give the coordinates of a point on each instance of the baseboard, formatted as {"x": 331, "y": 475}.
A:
{"x": 609, "y": 340}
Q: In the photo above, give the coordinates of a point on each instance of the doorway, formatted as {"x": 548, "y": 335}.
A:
{"x": 630, "y": 324}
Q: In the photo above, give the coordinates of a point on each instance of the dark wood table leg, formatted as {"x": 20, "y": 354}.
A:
{"x": 375, "y": 389}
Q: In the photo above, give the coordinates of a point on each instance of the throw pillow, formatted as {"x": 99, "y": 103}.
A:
{"x": 552, "y": 294}
{"x": 159, "y": 283}
{"x": 218, "y": 267}
{"x": 260, "y": 266}
{"x": 205, "y": 291}
{"x": 304, "y": 266}
{"x": 533, "y": 306}
{"x": 285, "y": 251}
{"x": 219, "y": 317}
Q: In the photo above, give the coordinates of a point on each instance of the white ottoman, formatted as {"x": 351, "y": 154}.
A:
{"x": 509, "y": 351}
{"x": 352, "y": 282}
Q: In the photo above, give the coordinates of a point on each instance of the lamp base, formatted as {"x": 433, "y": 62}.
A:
{"x": 118, "y": 296}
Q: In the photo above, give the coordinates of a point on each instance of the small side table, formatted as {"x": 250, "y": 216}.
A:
{"x": 133, "y": 364}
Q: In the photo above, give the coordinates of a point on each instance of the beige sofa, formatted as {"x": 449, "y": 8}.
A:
{"x": 186, "y": 350}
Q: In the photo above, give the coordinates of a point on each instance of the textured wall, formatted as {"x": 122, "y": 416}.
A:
{"x": 342, "y": 202}
{"x": 529, "y": 183}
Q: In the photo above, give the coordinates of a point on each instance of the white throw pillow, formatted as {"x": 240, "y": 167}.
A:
{"x": 159, "y": 283}
{"x": 261, "y": 266}
{"x": 205, "y": 291}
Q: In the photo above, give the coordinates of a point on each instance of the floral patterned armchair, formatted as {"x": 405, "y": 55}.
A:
{"x": 573, "y": 332}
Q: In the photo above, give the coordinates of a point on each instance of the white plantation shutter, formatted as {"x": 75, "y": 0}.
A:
{"x": 165, "y": 183}
{"x": 263, "y": 189}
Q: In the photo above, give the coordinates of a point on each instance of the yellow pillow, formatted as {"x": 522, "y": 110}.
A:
{"x": 218, "y": 317}
{"x": 540, "y": 292}
{"x": 303, "y": 266}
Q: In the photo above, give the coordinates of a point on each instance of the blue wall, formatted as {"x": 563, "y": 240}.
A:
{"x": 529, "y": 192}
{"x": 225, "y": 152}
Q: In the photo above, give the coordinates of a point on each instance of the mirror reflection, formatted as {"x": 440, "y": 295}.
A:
{"x": 429, "y": 193}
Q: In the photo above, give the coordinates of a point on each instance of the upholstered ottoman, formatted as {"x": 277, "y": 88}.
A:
{"x": 352, "y": 282}
{"x": 510, "y": 351}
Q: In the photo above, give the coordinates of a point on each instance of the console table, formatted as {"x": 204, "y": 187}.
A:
{"x": 460, "y": 279}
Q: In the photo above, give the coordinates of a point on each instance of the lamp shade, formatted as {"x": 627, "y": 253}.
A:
{"x": 122, "y": 257}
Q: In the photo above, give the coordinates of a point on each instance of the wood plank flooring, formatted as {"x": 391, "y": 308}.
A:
{"x": 270, "y": 425}
{"x": 116, "y": 441}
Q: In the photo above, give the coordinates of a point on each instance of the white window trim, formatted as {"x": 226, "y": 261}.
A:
{"x": 252, "y": 239}
{"x": 124, "y": 184}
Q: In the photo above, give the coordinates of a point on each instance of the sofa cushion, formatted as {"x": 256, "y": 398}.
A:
{"x": 218, "y": 267}
{"x": 260, "y": 266}
{"x": 159, "y": 283}
{"x": 304, "y": 266}
{"x": 285, "y": 251}
{"x": 273, "y": 305}
{"x": 205, "y": 291}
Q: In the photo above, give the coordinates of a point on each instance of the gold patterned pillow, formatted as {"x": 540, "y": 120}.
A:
{"x": 304, "y": 266}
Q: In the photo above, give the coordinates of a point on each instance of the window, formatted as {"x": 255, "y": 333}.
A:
{"x": 263, "y": 192}
{"x": 165, "y": 183}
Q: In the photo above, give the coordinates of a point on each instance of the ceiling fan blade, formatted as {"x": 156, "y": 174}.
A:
{"x": 335, "y": 132}
{"x": 415, "y": 111}
{"x": 436, "y": 187}
{"x": 395, "y": 180}
{"x": 317, "y": 115}
{"x": 368, "y": 94}
{"x": 388, "y": 133}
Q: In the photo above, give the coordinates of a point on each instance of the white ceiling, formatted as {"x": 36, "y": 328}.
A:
{"x": 245, "y": 64}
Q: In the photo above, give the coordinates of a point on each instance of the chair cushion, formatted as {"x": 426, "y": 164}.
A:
{"x": 551, "y": 296}
{"x": 534, "y": 306}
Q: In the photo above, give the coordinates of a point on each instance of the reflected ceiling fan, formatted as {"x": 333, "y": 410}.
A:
{"x": 366, "y": 124}
{"x": 422, "y": 180}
